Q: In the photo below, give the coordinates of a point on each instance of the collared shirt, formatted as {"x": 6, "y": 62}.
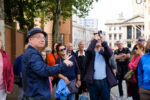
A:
{"x": 99, "y": 67}
{"x": 79, "y": 54}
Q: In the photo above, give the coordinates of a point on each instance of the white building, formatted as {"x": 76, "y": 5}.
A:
{"x": 142, "y": 8}
{"x": 86, "y": 22}
{"x": 126, "y": 31}
{"x": 147, "y": 18}
{"x": 82, "y": 32}
{"x": 138, "y": 7}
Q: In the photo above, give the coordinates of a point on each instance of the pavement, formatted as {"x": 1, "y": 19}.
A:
{"x": 114, "y": 93}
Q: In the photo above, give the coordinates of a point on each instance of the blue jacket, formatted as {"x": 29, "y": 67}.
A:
{"x": 18, "y": 66}
{"x": 35, "y": 75}
{"x": 107, "y": 53}
{"x": 144, "y": 71}
{"x": 62, "y": 90}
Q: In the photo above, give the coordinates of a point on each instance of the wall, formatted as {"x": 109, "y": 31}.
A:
{"x": 14, "y": 42}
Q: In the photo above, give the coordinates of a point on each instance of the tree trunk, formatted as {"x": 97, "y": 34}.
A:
{"x": 56, "y": 24}
{"x": 21, "y": 17}
{"x": 2, "y": 22}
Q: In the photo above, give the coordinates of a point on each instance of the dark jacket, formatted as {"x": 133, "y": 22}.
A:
{"x": 35, "y": 75}
{"x": 71, "y": 72}
{"x": 82, "y": 63}
{"x": 18, "y": 71}
{"x": 107, "y": 53}
{"x": 17, "y": 66}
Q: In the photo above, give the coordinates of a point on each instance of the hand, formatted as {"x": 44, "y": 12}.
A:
{"x": 51, "y": 78}
{"x": 102, "y": 38}
{"x": 123, "y": 56}
{"x": 115, "y": 71}
{"x": 78, "y": 83}
{"x": 68, "y": 62}
{"x": 8, "y": 92}
{"x": 66, "y": 80}
{"x": 96, "y": 37}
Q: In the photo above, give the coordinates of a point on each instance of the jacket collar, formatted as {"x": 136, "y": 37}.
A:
{"x": 31, "y": 47}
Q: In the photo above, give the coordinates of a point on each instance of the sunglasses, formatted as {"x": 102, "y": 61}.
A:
{"x": 136, "y": 48}
{"x": 62, "y": 49}
{"x": 141, "y": 40}
{"x": 97, "y": 46}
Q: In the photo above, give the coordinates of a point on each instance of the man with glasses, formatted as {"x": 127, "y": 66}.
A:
{"x": 141, "y": 40}
{"x": 35, "y": 71}
{"x": 122, "y": 56}
{"x": 99, "y": 75}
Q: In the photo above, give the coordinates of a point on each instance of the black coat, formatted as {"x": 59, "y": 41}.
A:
{"x": 82, "y": 63}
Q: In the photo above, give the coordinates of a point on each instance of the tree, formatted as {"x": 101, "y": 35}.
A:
{"x": 25, "y": 11}
{"x": 65, "y": 9}
{"x": 2, "y": 21}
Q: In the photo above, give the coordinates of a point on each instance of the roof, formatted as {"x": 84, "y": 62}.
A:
{"x": 134, "y": 19}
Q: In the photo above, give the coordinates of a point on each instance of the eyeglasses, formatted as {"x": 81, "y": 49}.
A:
{"x": 136, "y": 48}
{"x": 142, "y": 40}
{"x": 43, "y": 55}
{"x": 97, "y": 46}
{"x": 62, "y": 49}
{"x": 38, "y": 37}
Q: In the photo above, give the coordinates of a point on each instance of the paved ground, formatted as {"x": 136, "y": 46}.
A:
{"x": 114, "y": 93}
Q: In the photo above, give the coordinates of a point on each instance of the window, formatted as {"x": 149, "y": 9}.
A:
{"x": 110, "y": 36}
{"x": 109, "y": 28}
{"x": 114, "y": 28}
{"x": 129, "y": 32}
{"x": 138, "y": 32}
{"x": 114, "y": 44}
{"x": 120, "y": 28}
{"x": 110, "y": 44}
{"x": 120, "y": 36}
{"x": 115, "y": 36}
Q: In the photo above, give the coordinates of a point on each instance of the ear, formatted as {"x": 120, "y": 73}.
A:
{"x": 29, "y": 40}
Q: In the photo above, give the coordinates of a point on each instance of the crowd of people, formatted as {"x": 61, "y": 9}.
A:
{"x": 93, "y": 71}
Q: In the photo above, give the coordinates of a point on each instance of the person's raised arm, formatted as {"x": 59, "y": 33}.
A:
{"x": 93, "y": 43}
{"x": 40, "y": 68}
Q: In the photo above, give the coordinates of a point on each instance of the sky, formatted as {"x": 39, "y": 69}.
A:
{"x": 104, "y": 10}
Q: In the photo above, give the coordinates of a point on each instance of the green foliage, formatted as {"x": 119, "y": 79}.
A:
{"x": 25, "y": 11}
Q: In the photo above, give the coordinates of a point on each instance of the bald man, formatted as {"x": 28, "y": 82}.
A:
{"x": 70, "y": 49}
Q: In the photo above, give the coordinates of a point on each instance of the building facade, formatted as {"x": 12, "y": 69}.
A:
{"x": 91, "y": 23}
{"x": 126, "y": 31}
{"x": 138, "y": 7}
{"x": 65, "y": 30}
{"x": 80, "y": 33}
{"x": 147, "y": 18}
{"x": 82, "y": 30}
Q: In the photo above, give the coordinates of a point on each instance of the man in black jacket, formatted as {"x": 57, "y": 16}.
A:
{"x": 81, "y": 59}
{"x": 122, "y": 56}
